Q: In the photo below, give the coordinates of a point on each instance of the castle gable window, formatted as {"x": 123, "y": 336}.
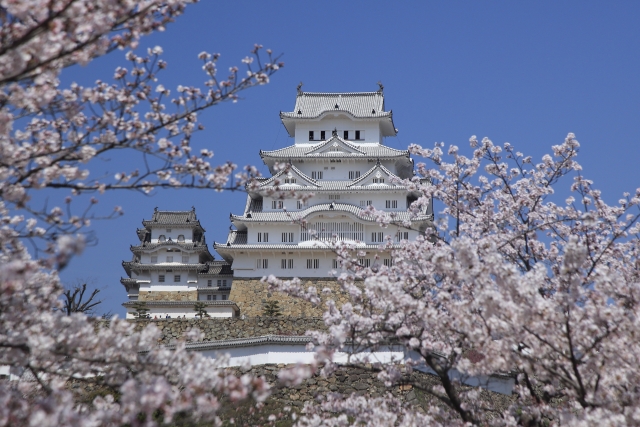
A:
{"x": 162, "y": 238}
{"x": 181, "y": 238}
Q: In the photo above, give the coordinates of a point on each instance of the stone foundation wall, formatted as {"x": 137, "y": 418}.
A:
{"x": 226, "y": 328}
{"x": 251, "y": 295}
{"x": 168, "y": 296}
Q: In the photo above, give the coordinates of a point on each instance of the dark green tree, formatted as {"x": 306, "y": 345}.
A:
{"x": 141, "y": 310}
{"x": 199, "y": 308}
{"x": 271, "y": 309}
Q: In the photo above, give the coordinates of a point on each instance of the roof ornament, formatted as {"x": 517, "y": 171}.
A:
{"x": 331, "y": 206}
{"x": 378, "y": 162}
{"x": 373, "y": 111}
{"x": 299, "y": 111}
{"x": 336, "y": 107}
{"x": 299, "y": 88}
{"x": 334, "y": 132}
{"x": 381, "y": 87}
{"x": 155, "y": 209}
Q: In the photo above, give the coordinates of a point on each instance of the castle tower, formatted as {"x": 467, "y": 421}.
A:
{"x": 338, "y": 154}
{"x": 172, "y": 268}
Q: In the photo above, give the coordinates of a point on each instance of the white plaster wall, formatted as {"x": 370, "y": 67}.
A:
{"x": 188, "y": 311}
{"x": 341, "y": 122}
{"x": 297, "y": 353}
{"x": 173, "y": 234}
{"x": 245, "y": 264}
{"x": 162, "y": 254}
{"x": 338, "y": 169}
{"x": 378, "y": 199}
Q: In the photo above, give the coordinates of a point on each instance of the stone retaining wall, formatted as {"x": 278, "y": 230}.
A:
{"x": 252, "y": 294}
{"x": 226, "y": 328}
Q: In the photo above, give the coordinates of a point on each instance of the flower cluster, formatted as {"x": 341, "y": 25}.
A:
{"x": 521, "y": 284}
{"x": 49, "y": 137}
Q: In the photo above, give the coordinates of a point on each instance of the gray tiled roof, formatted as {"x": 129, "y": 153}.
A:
{"x": 242, "y": 342}
{"x": 133, "y": 265}
{"x": 284, "y": 216}
{"x": 306, "y": 152}
{"x": 342, "y": 185}
{"x": 321, "y": 245}
{"x": 294, "y": 170}
{"x": 217, "y": 268}
{"x": 173, "y": 218}
{"x": 183, "y": 246}
{"x": 358, "y": 104}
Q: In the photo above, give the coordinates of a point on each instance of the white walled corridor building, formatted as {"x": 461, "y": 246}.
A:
{"x": 338, "y": 154}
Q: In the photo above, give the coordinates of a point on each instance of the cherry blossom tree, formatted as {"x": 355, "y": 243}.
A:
{"x": 512, "y": 280}
{"x": 49, "y": 135}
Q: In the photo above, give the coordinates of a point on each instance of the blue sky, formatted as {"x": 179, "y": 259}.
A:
{"x": 523, "y": 72}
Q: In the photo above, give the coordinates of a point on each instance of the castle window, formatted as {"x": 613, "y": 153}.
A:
{"x": 224, "y": 282}
{"x": 162, "y": 238}
{"x": 289, "y": 180}
{"x": 402, "y": 235}
{"x": 334, "y": 263}
{"x": 313, "y": 263}
{"x": 378, "y": 180}
{"x": 310, "y": 135}
{"x": 287, "y": 237}
{"x": 377, "y": 237}
{"x": 366, "y": 203}
{"x": 387, "y": 262}
{"x": 185, "y": 259}
{"x": 209, "y": 282}
{"x": 154, "y": 259}
{"x": 358, "y": 135}
{"x": 168, "y": 230}
{"x": 224, "y": 297}
{"x": 364, "y": 262}
{"x": 181, "y": 238}
{"x": 262, "y": 264}
{"x": 161, "y": 278}
{"x": 345, "y": 134}
{"x": 215, "y": 297}
{"x": 170, "y": 259}
{"x": 209, "y": 297}
{"x": 263, "y": 237}
{"x": 316, "y": 175}
{"x": 354, "y": 174}
{"x": 286, "y": 264}
{"x": 334, "y": 197}
{"x": 277, "y": 204}
{"x": 391, "y": 204}
{"x": 322, "y": 135}
{"x": 176, "y": 278}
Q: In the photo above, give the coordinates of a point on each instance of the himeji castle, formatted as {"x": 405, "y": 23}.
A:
{"x": 339, "y": 155}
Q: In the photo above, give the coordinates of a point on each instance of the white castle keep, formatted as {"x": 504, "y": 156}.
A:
{"x": 338, "y": 155}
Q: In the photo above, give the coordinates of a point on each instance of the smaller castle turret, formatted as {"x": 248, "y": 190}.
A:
{"x": 172, "y": 269}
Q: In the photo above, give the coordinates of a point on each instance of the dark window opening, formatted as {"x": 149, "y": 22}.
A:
{"x": 345, "y": 134}
{"x": 310, "y": 135}
{"x": 357, "y": 134}
{"x": 322, "y": 135}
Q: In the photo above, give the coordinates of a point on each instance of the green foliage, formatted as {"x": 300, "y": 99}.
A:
{"x": 199, "y": 308}
{"x": 271, "y": 309}
{"x": 141, "y": 310}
